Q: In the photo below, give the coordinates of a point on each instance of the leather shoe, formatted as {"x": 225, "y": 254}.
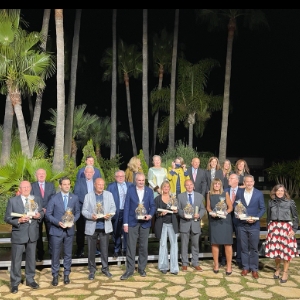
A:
{"x": 107, "y": 273}
{"x": 55, "y": 281}
{"x": 115, "y": 255}
{"x": 245, "y": 272}
{"x": 198, "y": 268}
{"x": 142, "y": 273}
{"x": 255, "y": 275}
{"x": 184, "y": 268}
{"x": 164, "y": 271}
{"x": 14, "y": 289}
{"x": 66, "y": 279}
{"x": 91, "y": 276}
{"x": 126, "y": 275}
{"x": 32, "y": 284}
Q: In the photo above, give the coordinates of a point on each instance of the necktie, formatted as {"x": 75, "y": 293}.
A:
{"x": 190, "y": 199}
{"x": 26, "y": 202}
{"x": 122, "y": 196}
{"x": 232, "y": 195}
{"x": 42, "y": 190}
{"x": 65, "y": 201}
{"x": 194, "y": 175}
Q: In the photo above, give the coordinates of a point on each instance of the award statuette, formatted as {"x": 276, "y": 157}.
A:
{"x": 188, "y": 211}
{"x": 98, "y": 210}
{"x": 141, "y": 211}
{"x": 31, "y": 207}
{"x": 240, "y": 210}
{"x": 174, "y": 202}
{"x": 68, "y": 218}
{"x": 220, "y": 209}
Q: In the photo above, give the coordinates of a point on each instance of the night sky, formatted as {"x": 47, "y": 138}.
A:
{"x": 265, "y": 81}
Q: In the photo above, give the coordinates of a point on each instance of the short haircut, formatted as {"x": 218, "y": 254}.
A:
{"x": 62, "y": 179}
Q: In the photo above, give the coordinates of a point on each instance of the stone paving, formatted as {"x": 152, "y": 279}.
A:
{"x": 186, "y": 285}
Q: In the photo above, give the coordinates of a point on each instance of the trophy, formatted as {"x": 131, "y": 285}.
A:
{"x": 141, "y": 212}
{"x": 68, "y": 218}
{"x": 31, "y": 207}
{"x": 240, "y": 210}
{"x": 174, "y": 202}
{"x": 188, "y": 211}
{"x": 99, "y": 210}
{"x": 220, "y": 209}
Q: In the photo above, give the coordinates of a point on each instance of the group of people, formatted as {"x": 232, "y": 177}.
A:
{"x": 128, "y": 209}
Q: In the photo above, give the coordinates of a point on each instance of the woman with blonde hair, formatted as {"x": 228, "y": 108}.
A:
{"x": 133, "y": 167}
{"x": 282, "y": 220}
{"x": 227, "y": 170}
{"x": 220, "y": 229}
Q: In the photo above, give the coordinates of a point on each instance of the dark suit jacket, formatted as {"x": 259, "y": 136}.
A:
{"x": 80, "y": 173}
{"x": 200, "y": 183}
{"x": 131, "y": 203}
{"x": 113, "y": 188}
{"x": 49, "y": 192}
{"x": 56, "y": 210}
{"x": 219, "y": 174}
{"x": 21, "y": 233}
{"x": 256, "y": 207}
{"x": 234, "y": 219}
{"x": 80, "y": 189}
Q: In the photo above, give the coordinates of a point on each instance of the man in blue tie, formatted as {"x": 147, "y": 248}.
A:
{"x": 60, "y": 234}
{"x": 190, "y": 227}
{"x": 119, "y": 190}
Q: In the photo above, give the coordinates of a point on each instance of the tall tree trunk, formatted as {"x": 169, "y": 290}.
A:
{"x": 113, "y": 116}
{"x": 73, "y": 76}
{"x": 7, "y": 131}
{"x": 225, "y": 112}
{"x": 58, "y": 159}
{"x": 145, "y": 137}
{"x": 173, "y": 83}
{"x": 39, "y": 96}
{"x": 191, "y": 121}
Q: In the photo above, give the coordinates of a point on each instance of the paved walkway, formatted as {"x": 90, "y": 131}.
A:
{"x": 186, "y": 285}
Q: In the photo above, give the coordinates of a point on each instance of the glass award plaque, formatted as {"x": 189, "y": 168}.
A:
{"x": 240, "y": 210}
{"x": 31, "y": 207}
{"x": 174, "y": 202}
{"x": 141, "y": 212}
{"x": 68, "y": 218}
{"x": 220, "y": 209}
{"x": 99, "y": 210}
{"x": 188, "y": 211}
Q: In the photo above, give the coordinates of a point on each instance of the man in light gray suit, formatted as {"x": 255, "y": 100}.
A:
{"x": 190, "y": 227}
{"x": 98, "y": 227}
{"x": 25, "y": 233}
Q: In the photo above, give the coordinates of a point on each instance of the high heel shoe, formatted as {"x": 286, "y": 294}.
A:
{"x": 276, "y": 276}
{"x": 283, "y": 280}
{"x": 228, "y": 273}
{"x": 216, "y": 271}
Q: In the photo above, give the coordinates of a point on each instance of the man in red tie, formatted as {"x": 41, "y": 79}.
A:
{"x": 45, "y": 190}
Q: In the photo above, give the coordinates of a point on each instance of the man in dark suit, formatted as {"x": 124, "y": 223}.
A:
{"x": 89, "y": 161}
{"x": 119, "y": 190}
{"x": 45, "y": 190}
{"x": 25, "y": 233}
{"x": 198, "y": 176}
{"x": 60, "y": 234}
{"x": 249, "y": 230}
{"x": 190, "y": 227}
{"x": 138, "y": 197}
{"x": 82, "y": 187}
{"x": 98, "y": 226}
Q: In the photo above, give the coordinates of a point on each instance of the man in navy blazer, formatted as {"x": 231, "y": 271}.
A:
{"x": 119, "y": 190}
{"x": 60, "y": 234}
{"x": 249, "y": 230}
{"x": 45, "y": 190}
{"x": 89, "y": 161}
{"x": 138, "y": 196}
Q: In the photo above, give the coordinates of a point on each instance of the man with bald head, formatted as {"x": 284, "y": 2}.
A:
{"x": 24, "y": 234}
{"x": 98, "y": 226}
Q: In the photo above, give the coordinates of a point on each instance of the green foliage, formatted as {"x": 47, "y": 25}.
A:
{"x": 144, "y": 165}
{"x": 70, "y": 169}
{"x": 187, "y": 153}
{"x": 110, "y": 166}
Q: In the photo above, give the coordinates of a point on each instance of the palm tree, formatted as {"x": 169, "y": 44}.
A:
{"x": 81, "y": 126}
{"x": 113, "y": 115}
{"x": 227, "y": 18}
{"x": 72, "y": 90}
{"x": 193, "y": 104}
{"x": 145, "y": 122}
{"x": 39, "y": 96}
{"x": 58, "y": 158}
{"x": 23, "y": 68}
{"x": 173, "y": 83}
{"x": 162, "y": 57}
{"x": 129, "y": 64}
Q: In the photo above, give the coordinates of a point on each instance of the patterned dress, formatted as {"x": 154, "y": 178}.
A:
{"x": 278, "y": 244}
